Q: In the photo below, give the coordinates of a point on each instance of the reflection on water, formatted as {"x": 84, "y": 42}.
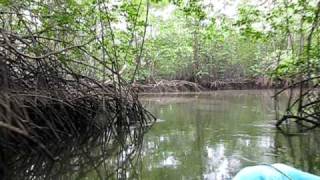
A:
{"x": 198, "y": 136}
{"x": 214, "y": 135}
{"x": 111, "y": 154}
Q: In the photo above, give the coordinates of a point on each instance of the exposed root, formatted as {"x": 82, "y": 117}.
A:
{"x": 303, "y": 106}
{"x": 187, "y": 86}
{"x": 169, "y": 86}
{"x": 43, "y": 97}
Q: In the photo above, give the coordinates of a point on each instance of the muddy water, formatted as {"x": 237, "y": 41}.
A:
{"x": 214, "y": 135}
{"x": 197, "y": 136}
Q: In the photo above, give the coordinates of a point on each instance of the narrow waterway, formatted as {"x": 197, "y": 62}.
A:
{"x": 197, "y": 136}
{"x": 214, "y": 135}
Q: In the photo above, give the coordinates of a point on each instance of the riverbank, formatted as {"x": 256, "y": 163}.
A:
{"x": 163, "y": 86}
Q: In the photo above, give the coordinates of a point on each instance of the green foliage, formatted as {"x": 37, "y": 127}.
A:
{"x": 289, "y": 25}
{"x": 222, "y": 52}
{"x": 113, "y": 29}
{"x": 187, "y": 44}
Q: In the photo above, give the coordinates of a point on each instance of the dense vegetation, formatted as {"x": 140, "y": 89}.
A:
{"x": 71, "y": 68}
{"x": 276, "y": 42}
{"x": 273, "y": 40}
{"x": 193, "y": 46}
{"x": 60, "y": 78}
{"x": 66, "y": 51}
{"x": 189, "y": 40}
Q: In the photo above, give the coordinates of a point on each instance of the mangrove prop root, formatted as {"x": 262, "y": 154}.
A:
{"x": 303, "y": 106}
{"x": 44, "y": 95}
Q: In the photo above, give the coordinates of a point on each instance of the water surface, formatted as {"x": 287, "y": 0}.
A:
{"x": 198, "y": 136}
{"x": 214, "y": 135}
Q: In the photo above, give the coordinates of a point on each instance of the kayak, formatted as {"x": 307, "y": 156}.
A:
{"x": 273, "y": 172}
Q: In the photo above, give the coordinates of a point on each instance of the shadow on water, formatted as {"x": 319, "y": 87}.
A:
{"x": 110, "y": 154}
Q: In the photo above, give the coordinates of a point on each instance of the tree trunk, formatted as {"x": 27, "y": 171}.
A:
{"x": 195, "y": 65}
{"x": 3, "y": 74}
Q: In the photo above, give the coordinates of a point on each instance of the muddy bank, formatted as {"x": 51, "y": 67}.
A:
{"x": 168, "y": 86}
{"x": 187, "y": 86}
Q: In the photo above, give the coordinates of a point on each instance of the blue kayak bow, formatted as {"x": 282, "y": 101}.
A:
{"x": 273, "y": 172}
